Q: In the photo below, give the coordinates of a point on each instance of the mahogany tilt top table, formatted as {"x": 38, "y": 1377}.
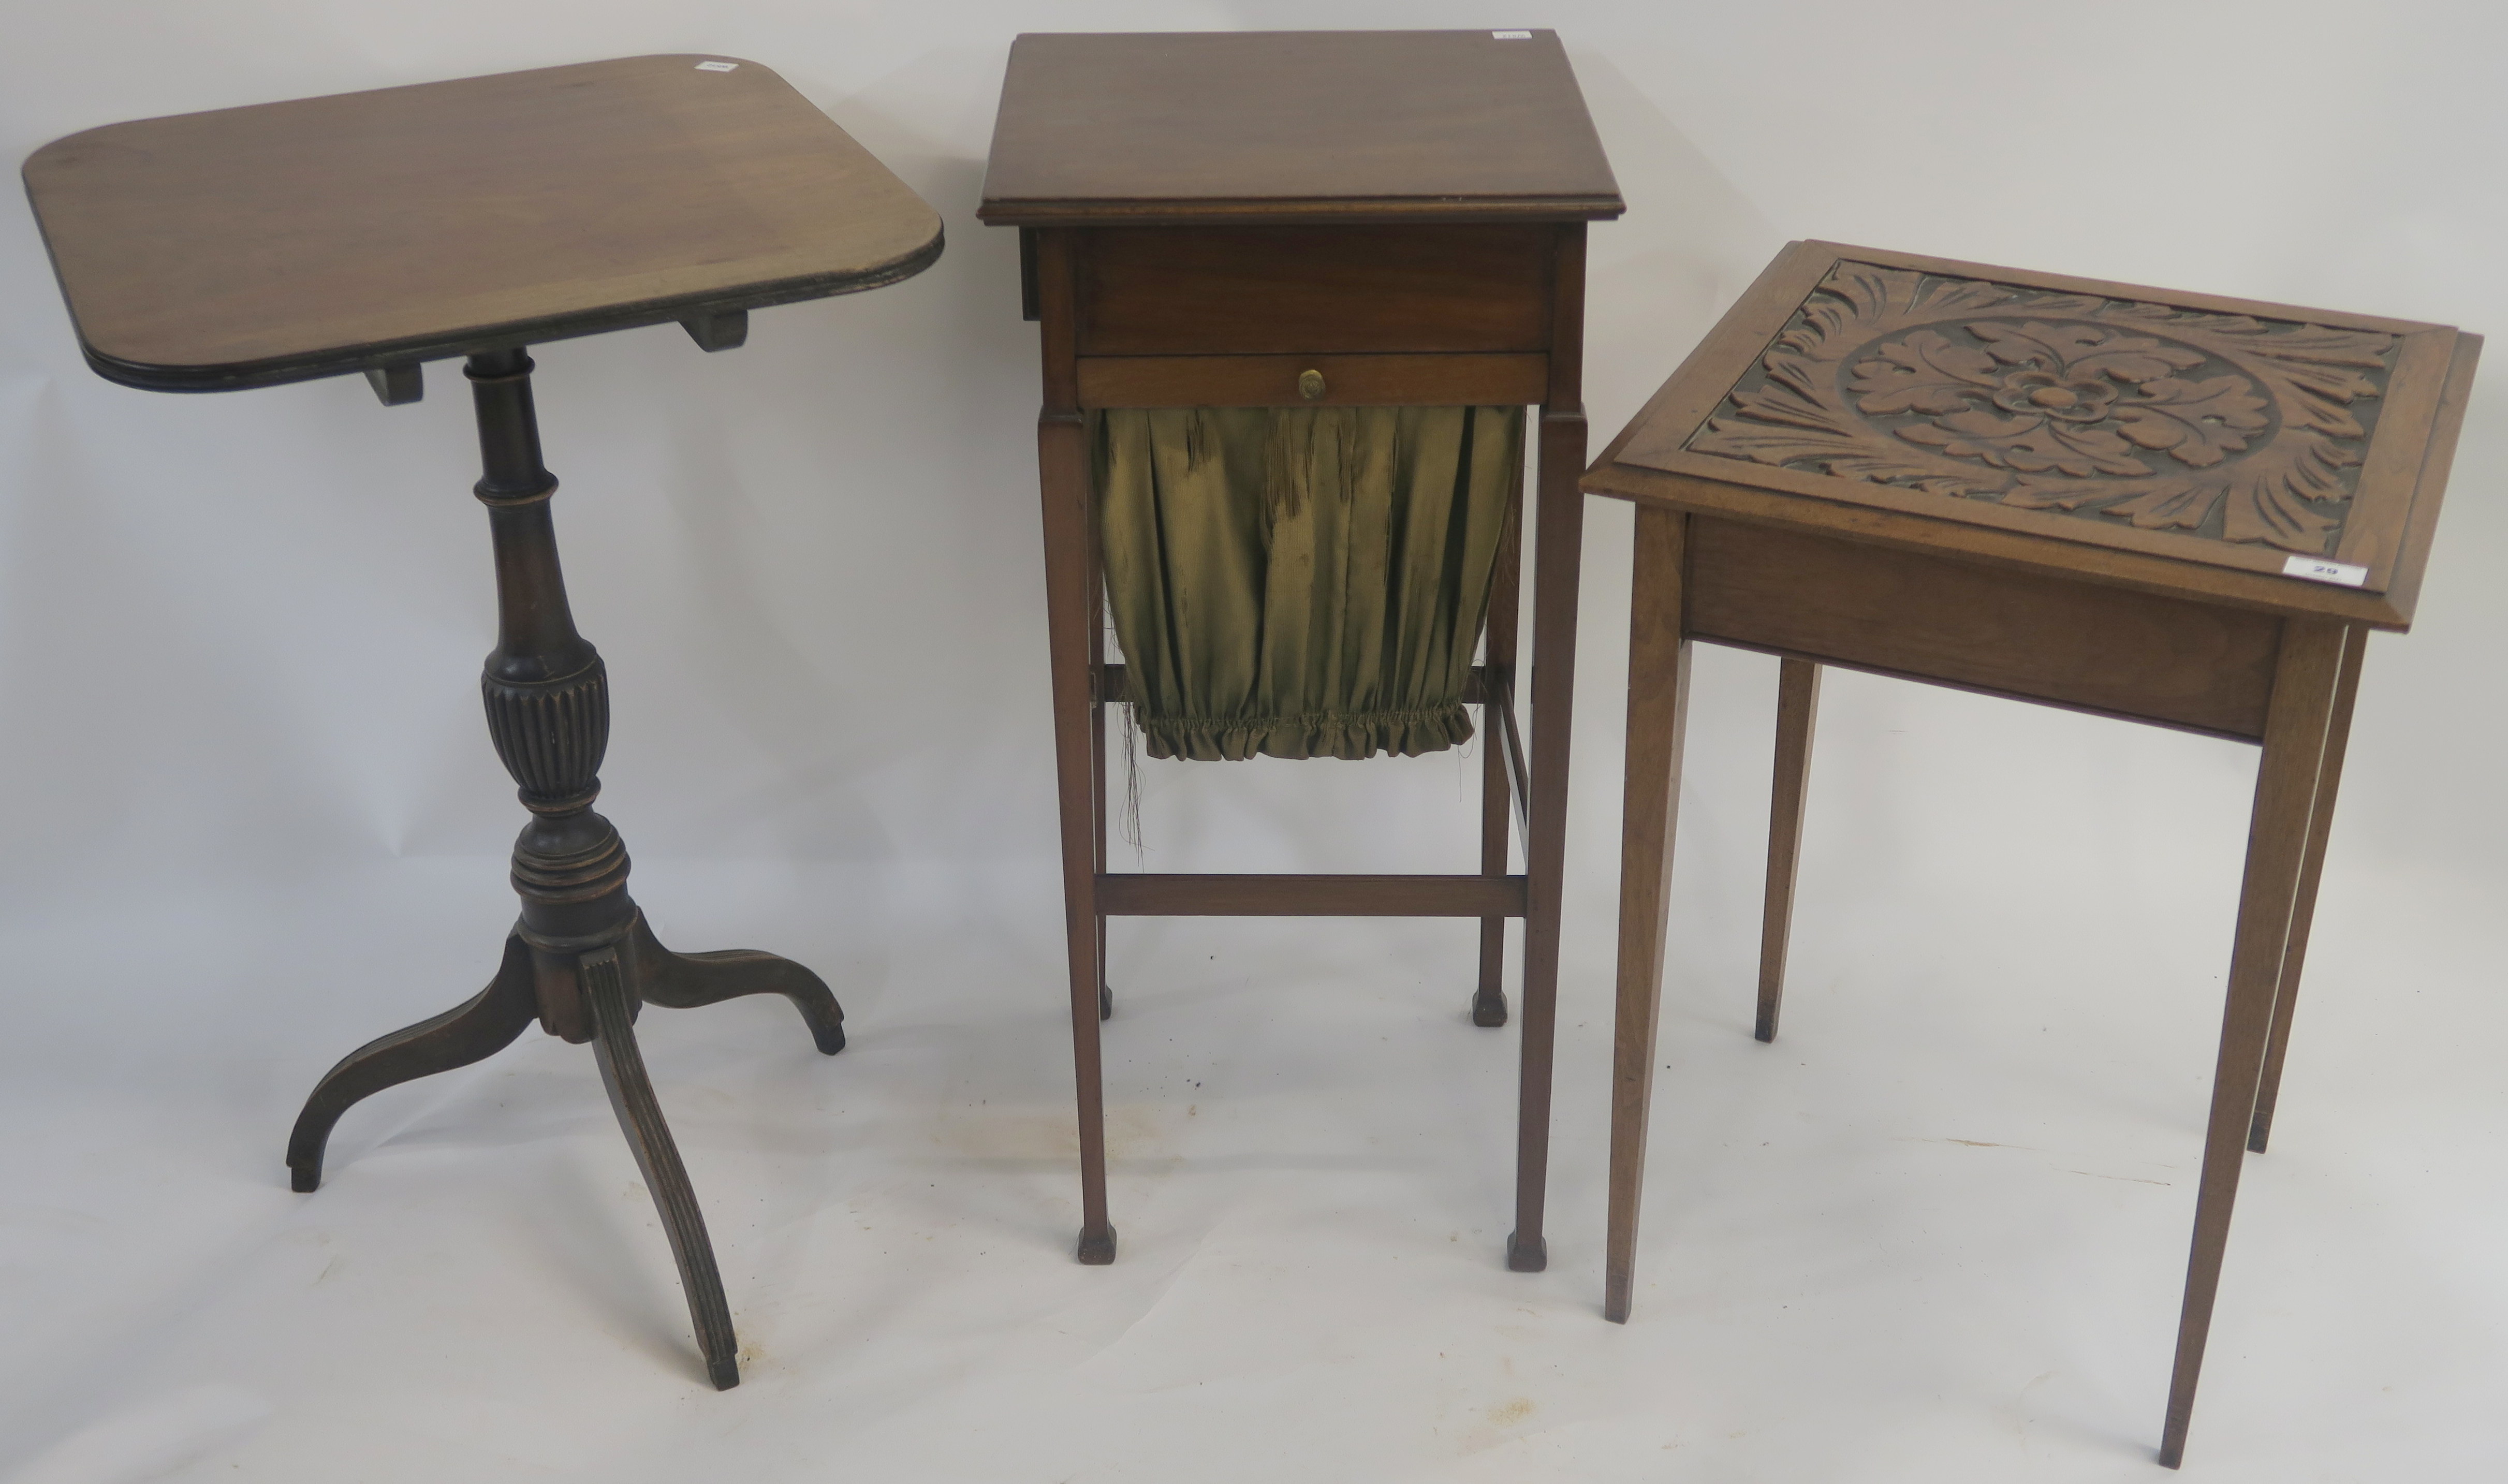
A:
{"x": 374, "y": 231}
{"x": 2166, "y": 507}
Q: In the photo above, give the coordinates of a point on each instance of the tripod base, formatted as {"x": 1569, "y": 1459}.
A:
{"x": 614, "y": 983}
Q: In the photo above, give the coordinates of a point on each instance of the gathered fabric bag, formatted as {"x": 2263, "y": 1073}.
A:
{"x": 1302, "y": 581}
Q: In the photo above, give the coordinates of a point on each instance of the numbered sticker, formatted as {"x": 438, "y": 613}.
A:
{"x": 717, "y": 66}
{"x": 2318, "y": 570}
{"x": 1512, "y": 35}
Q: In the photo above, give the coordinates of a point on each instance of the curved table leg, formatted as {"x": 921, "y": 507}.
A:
{"x": 474, "y": 1031}
{"x": 687, "y": 981}
{"x": 639, "y": 1116}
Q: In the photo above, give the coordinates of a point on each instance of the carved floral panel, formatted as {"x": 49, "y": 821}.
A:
{"x": 2224, "y": 426}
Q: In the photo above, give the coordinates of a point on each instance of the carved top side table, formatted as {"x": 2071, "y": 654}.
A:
{"x": 2164, "y": 508}
{"x": 374, "y": 231}
{"x": 1329, "y": 220}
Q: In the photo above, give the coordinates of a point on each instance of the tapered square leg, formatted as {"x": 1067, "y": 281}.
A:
{"x": 1102, "y": 802}
{"x": 2305, "y": 679}
{"x": 2329, "y": 779}
{"x": 1070, "y": 614}
{"x": 1658, "y": 711}
{"x": 1558, "y": 549}
{"x": 1797, "y": 710}
{"x": 1498, "y": 781}
{"x": 1074, "y": 613}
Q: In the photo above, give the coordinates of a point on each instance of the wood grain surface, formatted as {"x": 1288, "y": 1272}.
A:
{"x": 1339, "y": 381}
{"x": 1454, "y": 126}
{"x": 2193, "y": 666}
{"x": 1155, "y": 894}
{"x": 285, "y": 241}
{"x": 1299, "y": 289}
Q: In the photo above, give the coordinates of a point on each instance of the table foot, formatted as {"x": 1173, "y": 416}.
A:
{"x": 1618, "y": 1297}
{"x": 1105, "y": 1002}
{"x": 1527, "y": 1254}
{"x": 470, "y": 1032}
{"x": 607, "y": 994}
{"x": 687, "y": 981}
{"x": 1097, "y": 1247}
{"x": 1489, "y": 997}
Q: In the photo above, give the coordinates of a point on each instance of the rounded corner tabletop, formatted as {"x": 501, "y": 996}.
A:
{"x": 284, "y": 241}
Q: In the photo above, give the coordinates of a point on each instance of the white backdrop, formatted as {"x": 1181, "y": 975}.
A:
{"x": 1936, "y": 1233}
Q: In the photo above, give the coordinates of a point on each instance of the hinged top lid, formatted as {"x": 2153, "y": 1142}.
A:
{"x": 286, "y": 240}
{"x": 1293, "y": 126}
{"x": 2255, "y": 454}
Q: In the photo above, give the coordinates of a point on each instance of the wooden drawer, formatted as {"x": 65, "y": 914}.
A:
{"x": 1312, "y": 290}
{"x": 1348, "y": 381}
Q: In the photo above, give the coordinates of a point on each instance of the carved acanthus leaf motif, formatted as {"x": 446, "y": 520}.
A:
{"x": 2229, "y": 426}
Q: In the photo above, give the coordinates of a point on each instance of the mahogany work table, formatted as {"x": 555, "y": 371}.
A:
{"x": 375, "y": 231}
{"x": 2163, "y": 508}
{"x": 1290, "y": 219}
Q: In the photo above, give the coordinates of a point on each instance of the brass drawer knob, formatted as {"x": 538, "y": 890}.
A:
{"x": 1310, "y": 384}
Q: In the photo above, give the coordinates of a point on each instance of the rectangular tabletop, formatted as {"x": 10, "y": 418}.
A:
{"x": 2186, "y": 444}
{"x": 1293, "y": 126}
{"x": 285, "y": 240}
